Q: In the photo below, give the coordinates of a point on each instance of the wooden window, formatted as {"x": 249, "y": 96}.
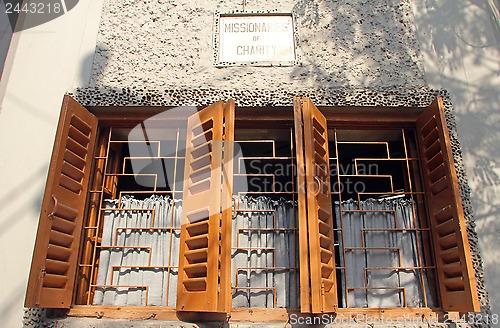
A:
{"x": 449, "y": 236}
{"x": 204, "y": 269}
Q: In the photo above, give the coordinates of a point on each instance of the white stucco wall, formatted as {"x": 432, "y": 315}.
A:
{"x": 43, "y": 63}
{"x": 169, "y": 44}
{"x": 460, "y": 48}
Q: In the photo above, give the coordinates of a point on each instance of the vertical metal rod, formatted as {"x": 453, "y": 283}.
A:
{"x": 341, "y": 219}
{"x": 98, "y": 224}
{"x": 415, "y": 222}
{"x": 295, "y": 218}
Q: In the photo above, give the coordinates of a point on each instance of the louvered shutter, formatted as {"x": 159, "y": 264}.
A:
{"x": 320, "y": 242}
{"x": 202, "y": 242}
{"x": 55, "y": 256}
{"x": 305, "y": 290}
{"x": 457, "y": 284}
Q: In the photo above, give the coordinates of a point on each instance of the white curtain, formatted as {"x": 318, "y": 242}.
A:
{"x": 261, "y": 249}
{"x": 265, "y": 254}
{"x": 125, "y": 267}
{"x": 258, "y": 249}
{"x": 375, "y": 265}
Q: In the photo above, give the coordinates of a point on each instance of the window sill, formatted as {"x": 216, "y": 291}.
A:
{"x": 256, "y": 315}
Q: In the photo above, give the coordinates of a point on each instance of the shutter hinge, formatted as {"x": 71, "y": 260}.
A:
{"x": 54, "y": 210}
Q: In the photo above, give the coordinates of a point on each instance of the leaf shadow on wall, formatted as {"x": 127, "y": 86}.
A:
{"x": 351, "y": 44}
{"x": 461, "y": 42}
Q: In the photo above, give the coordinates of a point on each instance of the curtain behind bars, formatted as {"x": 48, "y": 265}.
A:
{"x": 122, "y": 267}
{"x": 381, "y": 264}
{"x": 264, "y": 258}
{"x": 265, "y": 254}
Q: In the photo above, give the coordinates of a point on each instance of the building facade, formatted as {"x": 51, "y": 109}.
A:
{"x": 357, "y": 62}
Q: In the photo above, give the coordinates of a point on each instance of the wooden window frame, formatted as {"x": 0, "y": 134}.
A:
{"x": 336, "y": 116}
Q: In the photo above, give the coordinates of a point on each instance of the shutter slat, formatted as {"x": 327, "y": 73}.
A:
{"x": 454, "y": 284}
{"x": 61, "y": 239}
{"x": 82, "y": 125}
{"x": 56, "y": 267}
{"x": 455, "y": 272}
{"x": 72, "y": 172}
{"x": 445, "y": 228}
{"x": 74, "y": 159}
{"x": 58, "y": 252}
{"x": 198, "y": 228}
{"x": 63, "y": 225}
{"x": 449, "y": 255}
{"x": 196, "y": 256}
{"x": 453, "y": 269}
{"x": 70, "y": 184}
{"x": 76, "y": 148}
{"x": 196, "y": 270}
{"x": 197, "y": 242}
{"x": 195, "y": 285}
{"x": 448, "y": 241}
{"x": 54, "y": 281}
{"x": 79, "y": 136}
{"x": 55, "y": 256}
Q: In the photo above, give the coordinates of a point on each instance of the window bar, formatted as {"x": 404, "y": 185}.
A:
{"x": 295, "y": 215}
{"x": 148, "y": 248}
{"x": 415, "y": 222}
{"x": 93, "y": 273}
{"x": 341, "y": 219}
{"x": 94, "y": 216}
{"x": 119, "y": 230}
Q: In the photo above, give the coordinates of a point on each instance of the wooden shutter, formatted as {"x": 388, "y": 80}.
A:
{"x": 205, "y": 232}
{"x": 316, "y": 244}
{"x": 55, "y": 256}
{"x": 305, "y": 288}
{"x": 457, "y": 284}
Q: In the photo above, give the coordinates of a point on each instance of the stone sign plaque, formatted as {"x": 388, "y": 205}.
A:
{"x": 255, "y": 39}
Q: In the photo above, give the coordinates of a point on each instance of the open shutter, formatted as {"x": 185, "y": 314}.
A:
{"x": 202, "y": 243}
{"x": 319, "y": 218}
{"x": 55, "y": 256}
{"x": 305, "y": 288}
{"x": 457, "y": 283}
